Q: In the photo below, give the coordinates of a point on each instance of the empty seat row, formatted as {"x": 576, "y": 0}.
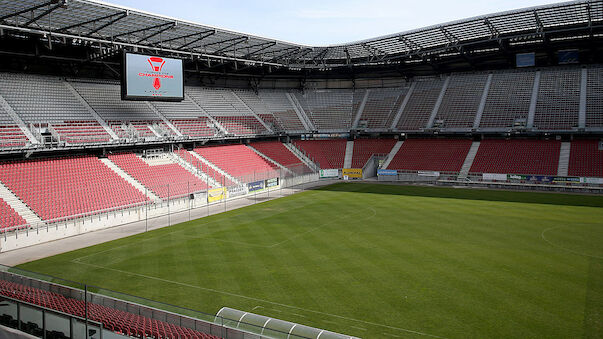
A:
{"x": 59, "y": 188}
{"x": 118, "y": 321}
{"x": 165, "y": 180}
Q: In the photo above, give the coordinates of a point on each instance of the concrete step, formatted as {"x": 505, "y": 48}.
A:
{"x": 269, "y": 159}
{"x": 469, "y": 160}
{"x": 195, "y": 171}
{"x": 564, "y": 154}
{"x": 19, "y": 206}
{"x": 349, "y": 153}
{"x": 302, "y": 157}
{"x": 216, "y": 168}
{"x": 392, "y": 154}
{"x": 130, "y": 180}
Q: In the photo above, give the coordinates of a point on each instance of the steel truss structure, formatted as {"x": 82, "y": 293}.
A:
{"x": 111, "y": 27}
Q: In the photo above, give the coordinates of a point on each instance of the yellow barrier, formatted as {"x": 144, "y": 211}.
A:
{"x": 216, "y": 194}
{"x": 352, "y": 173}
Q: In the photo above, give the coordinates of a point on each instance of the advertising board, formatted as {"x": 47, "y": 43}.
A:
{"x": 271, "y": 183}
{"x": 216, "y": 194}
{"x": 352, "y": 173}
{"x": 255, "y": 186}
{"x": 329, "y": 173}
{"x": 387, "y": 172}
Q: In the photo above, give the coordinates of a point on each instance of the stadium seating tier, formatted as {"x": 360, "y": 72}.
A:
{"x": 517, "y": 157}
{"x": 444, "y": 155}
{"x": 586, "y": 159}
{"x": 166, "y": 180}
{"x": 59, "y": 188}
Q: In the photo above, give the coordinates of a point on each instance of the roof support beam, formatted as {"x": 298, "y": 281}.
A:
{"x": 227, "y": 40}
{"x": 27, "y": 10}
{"x": 289, "y": 51}
{"x": 182, "y": 37}
{"x": 144, "y": 29}
{"x": 202, "y": 36}
{"x": 233, "y": 44}
{"x": 107, "y": 24}
{"x": 90, "y": 21}
{"x": 170, "y": 26}
{"x": 413, "y": 46}
{"x": 451, "y": 37}
{"x": 491, "y": 28}
{"x": 538, "y": 22}
{"x": 320, "y": 56}
{"x": 45, "y": 13}
{"x": 262, "y": 46}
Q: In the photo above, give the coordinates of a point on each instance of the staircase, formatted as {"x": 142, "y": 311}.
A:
{"x": 130, "y": 180}
{"x": 269, "y": 159}
{"x": 392, "y": 154}
{"x": 195, "y": 171}
{"x": 17, "y": 119}
{"x": 301, "y": 156}
{"x": 90, "y": 110}
{"x": 349, "y": 153}
{"x": 564, "y": 154}
{"x": 19, "y": 206}
{"x": 469, "y": 160}
{"x": 216, "y": 168}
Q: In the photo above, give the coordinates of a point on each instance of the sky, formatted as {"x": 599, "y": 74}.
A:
{"x": 324, "y": 22}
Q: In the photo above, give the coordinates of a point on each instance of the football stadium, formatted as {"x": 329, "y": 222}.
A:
{"x": 167, "y": 179}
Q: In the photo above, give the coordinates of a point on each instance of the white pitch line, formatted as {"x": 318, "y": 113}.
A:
{"x": 261, "y": 300}
{"x": 563, "y": 248}
{"x": 358, "y": 328}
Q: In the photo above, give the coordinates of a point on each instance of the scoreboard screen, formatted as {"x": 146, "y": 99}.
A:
{"x": 149, "y": 77}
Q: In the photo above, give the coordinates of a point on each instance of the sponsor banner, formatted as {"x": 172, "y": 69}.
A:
{"x": 494, "y": 176}
{"x": 387, "y": 172}
{"x": 237, "y": 191}
{"x": 596, "y": 181}
{"x": 539, "y": 178}
{"x": 428, "y": 174}
{"x": 271, "y": 183}
{"x": 216, "y": 194}
{"x": 516, "y": 177}
{"x": 532, "y": 178}
{"x": 329, "y": 173}
{"x": 330, "y": 135}
{"x": 255, "y": 186}
{"x": 566, "y": 179}
{"x": 352, "y": 173}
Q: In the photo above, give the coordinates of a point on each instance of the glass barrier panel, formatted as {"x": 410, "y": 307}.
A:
{"x": 31, "y": 320}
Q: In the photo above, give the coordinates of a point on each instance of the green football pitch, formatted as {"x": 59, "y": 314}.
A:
{"x": 376, "y": 261}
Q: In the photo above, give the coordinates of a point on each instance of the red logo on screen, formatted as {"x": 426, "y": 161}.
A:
{"x": 156, "y": 83}
{"x": 156, "y": 63}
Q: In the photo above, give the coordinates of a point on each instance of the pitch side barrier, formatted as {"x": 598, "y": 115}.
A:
{"x": 274, "y": 328}
{"x": 167, "y": 201}
{"x": 35, "y": 303}
{"x": 496, "y": 180}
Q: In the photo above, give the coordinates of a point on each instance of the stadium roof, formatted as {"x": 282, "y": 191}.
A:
{"x": 112, "y": 26}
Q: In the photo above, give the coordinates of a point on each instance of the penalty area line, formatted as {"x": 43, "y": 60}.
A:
{"x": 260, "y": 300}
{"x": 564, "y": 248}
